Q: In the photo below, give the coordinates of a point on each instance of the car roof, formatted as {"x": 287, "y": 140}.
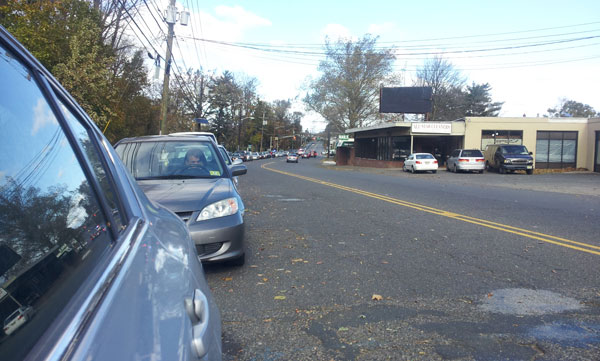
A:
{"x": 166, "y": 138}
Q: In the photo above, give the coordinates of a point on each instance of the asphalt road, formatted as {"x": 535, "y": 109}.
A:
{"x": 358, "y": 264}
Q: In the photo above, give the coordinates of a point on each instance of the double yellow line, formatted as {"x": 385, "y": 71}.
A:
{"x": 579, "y": 246}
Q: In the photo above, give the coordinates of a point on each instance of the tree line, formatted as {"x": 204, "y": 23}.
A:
{"x": 84, "y": 44}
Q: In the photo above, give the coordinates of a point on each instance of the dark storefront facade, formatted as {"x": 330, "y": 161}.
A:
{"x": 387, "y": 145}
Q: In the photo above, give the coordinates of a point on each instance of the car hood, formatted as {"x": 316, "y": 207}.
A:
{"x": 188, "y": 195}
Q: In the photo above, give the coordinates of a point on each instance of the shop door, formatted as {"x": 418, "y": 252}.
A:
{"x": 597, "y": 153}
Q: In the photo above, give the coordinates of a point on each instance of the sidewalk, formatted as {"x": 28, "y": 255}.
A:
{"x": 577, "y": 183}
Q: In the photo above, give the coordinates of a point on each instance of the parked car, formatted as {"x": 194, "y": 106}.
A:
{"x": 508, "y": 157}
{"x": 17, "y": 319}
{"x": 187, "y": 174}
{"x": 465, "y": 160}
{"x": 255, "y": 156}
{"x": 135, "y": 291}
{"x": 207, "y": 134}
{"x": 420, "y": 162}
{"x": 292, "y": 157}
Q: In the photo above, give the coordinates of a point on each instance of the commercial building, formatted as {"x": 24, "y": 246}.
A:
{"x": 555, "y": 142}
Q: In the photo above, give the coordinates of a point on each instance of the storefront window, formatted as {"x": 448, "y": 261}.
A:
{"x": 366, "y": 148}
{"x": 556, "y": 150}
{"x": 501, "y": 137}
{"x": 400, "y": 148}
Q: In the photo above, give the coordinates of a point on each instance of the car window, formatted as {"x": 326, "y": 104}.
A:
{"x": 225, "y": 155}
{"x": 171, "y": 159}
{"x": 53, "y": 231}
{"x": 83, "y": 138}
{"x": 424, "y": 156}
{"x": 471, "y": 153}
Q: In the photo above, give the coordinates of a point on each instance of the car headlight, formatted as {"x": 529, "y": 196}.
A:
{"x": 529, "y": 161}
{"x": 226, "y": 207}
{"x": 507, "y": 161}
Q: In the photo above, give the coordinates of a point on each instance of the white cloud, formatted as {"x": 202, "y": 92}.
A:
{"x": 42, "y": 116}
{"x": 383, "y": 29}
{"x": 336, "y": 32}
{"x": 238, "y": 15}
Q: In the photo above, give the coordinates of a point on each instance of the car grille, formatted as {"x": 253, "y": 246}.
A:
{"x": 206, "y": 249}
{"x": 185, "y": 216}
{"x": 519, "y": 161}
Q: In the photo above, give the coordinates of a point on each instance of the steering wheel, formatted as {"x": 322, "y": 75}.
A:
{"x": 191, "y": 169}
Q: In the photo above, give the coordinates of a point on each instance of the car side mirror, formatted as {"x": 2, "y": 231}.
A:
{"x": 530, "y": 153}
{"x": 239, "y": 169}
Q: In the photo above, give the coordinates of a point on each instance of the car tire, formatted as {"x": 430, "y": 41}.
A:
{"x": 412, "y": 169}
{"x": 455, "y": 169}
{"x": 529, "y": 171}
{"x": 481, "y": 171}
{"x": 501, "y": 170}
{"x": 434, "y": 171}
{"x": 448, "y": 168}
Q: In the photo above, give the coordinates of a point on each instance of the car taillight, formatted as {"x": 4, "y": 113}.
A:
{"x": 435, "y": 162}
{"x": 480, "y": 160}
{"x": 462, "y": 160}
{"x": 20, "y": 317}
{"x": 418, "y": 162}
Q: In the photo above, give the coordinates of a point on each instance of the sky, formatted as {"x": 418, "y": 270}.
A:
{"x": 532, "y": 53}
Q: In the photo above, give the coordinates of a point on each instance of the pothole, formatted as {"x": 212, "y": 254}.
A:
{"x": 522, "y": 301}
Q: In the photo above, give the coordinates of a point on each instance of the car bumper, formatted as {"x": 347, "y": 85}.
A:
{"x": 219, "y": 239}
{"x": 425, "y": 167}
{"x": 478, "y": 166}
{"x": 517, "y": 166}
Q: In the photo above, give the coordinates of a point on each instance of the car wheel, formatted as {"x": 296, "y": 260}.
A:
{"x": 454, "y": 169}
{"x": 501, "y": 170}
{"x": 448, "y": 169}
{"x": 434, "y": 171}
{"x": 481, "y": 171}
{"x": 412, "y": 169}
{"x": 529, "y": 171}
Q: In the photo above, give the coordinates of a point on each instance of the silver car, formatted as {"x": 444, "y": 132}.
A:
{"x": 106, "y": 274}
{"x": 188, "y": 175}
{"x": 466, "y": 160}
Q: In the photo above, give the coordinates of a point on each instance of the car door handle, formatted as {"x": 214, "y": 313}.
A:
{"x": 197, "y": 309}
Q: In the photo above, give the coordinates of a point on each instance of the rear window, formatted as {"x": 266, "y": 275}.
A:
{"x": 425, "y": 156}
{"x": 471, "y": 153}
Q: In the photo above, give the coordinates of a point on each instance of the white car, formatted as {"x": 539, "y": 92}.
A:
{"x": 17, "y": 319}
{"x": 292, "y": 158}
{"x": 420, "y": 162}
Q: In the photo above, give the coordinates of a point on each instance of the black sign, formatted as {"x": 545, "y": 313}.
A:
{"x": 413, "y": 100}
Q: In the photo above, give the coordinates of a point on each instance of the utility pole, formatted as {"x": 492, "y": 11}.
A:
{"x": 262, "y": 129}
{"x": 171, "y": 19}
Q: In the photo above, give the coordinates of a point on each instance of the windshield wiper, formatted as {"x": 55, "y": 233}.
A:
{"x": 172, "y": 176}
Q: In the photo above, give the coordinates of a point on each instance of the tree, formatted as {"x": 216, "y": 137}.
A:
{"x": 347, "y": 92}
{"x": 479, "y": 101}
{"x": 571, "y": 108}
{"x": 447, "y": 84}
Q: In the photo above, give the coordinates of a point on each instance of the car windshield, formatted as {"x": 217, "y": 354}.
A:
{"x": 171, "y": 159}
{"x": 514, "y": 149}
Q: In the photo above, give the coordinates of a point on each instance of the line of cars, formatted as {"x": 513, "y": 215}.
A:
{"x": 501, "y": 157}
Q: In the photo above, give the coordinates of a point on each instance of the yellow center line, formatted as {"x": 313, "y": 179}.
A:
{"x": 563, "y": 242}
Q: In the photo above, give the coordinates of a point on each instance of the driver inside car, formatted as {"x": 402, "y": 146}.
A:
{"x": 195, "y": 158}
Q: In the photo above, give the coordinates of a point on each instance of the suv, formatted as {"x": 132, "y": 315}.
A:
{"x": 508, "y": 157}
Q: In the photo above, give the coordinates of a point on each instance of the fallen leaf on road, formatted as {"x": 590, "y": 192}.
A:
{"x": 279, "y": 297}
{"x": 489, "y": 295}
{"x": 253, "y": 266}
{"x": 384, "y": 262}
{"x": 553, "y": 271}
{"x": 227, "y": 278}
{"x": 343, "y": 329}
{"x": 297, "y": 260}
{"x": 376, "y": 297}
{"x": 268, "y": 320}
{"x": 265, "y": 279}
{"x": 320, "y": 262}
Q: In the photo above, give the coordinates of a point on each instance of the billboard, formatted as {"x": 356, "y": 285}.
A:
{"x": 413, "y": 100}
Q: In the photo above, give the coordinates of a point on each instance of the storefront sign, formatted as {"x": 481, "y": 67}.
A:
{"x": 343, "y": 136}
{"x": 430, "y": 127}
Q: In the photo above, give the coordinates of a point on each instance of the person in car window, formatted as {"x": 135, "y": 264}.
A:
{"x": 195, "y": 158}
